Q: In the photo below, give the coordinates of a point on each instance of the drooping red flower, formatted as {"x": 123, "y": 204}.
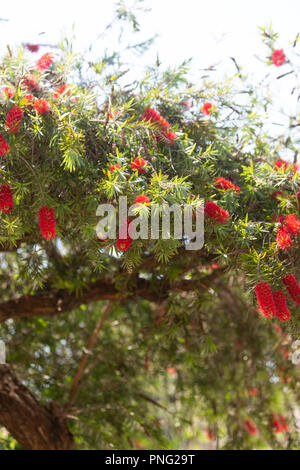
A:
{"x": 4, "y": 146}
{"x": 47, "y": 222}
{"x": 154, "y": 117}
{"x": 250, "y": 427}
{"x": 6, "y": 198}
{"x": 278, "y": 57}
{"x": 210, "y": 435}
{"x": 123, "y": 244}
{"x": 60, "y": 90}
{"x": 207, "y": 108}
{"x": 281, "y": 164}
{"x": 30, "y": 99}
{"x": 282, "y": 310}
{"x": 213, "y": 211}
{"x": 292, "y": 286}
{"x": 32, "y": 47}
{"x": 292, "y": 223}
{"x": 114, "y": 168}
{"x": 45, "y": 61}
{"x": 283, "y": 238}
{"x": 8, "y": 91}
{"x": 42, "y": 106}
{"x": 279, "y": 424}
{"x": 278, "y": 218}
{"x": 222, "y": 183}
{"x": 142, "y": 199}
{"x": 275, "y": 194}
{"x": 253, "y": 391}
{"x": 13, "y": 119}
{"x": 139, "y": 164}
{"x": 31, "y": 82}
{"x": 265, "y": 299}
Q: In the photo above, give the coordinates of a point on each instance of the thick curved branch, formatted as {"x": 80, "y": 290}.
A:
{"x": 34, "y": 426}
{"x": 53, "y": 302}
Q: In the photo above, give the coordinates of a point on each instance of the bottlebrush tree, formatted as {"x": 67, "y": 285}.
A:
{"x": 141, "y": 343}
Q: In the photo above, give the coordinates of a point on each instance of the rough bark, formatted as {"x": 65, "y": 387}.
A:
{"x": 34, "y": 426}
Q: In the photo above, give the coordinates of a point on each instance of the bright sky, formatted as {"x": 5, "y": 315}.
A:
{"x": 209, "y": 31}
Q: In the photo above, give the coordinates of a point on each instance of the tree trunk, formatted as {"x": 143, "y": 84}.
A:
{"x": 34, "y": 426}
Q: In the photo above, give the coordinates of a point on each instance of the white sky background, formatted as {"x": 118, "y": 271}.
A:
{"x": 209, "y": 31}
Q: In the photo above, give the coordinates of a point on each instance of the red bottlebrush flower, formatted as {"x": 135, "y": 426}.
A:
{"x": 210, "y": 435}
{"x": 42, "y": 106}
{"x": 293, "y": 223}
{"x": 282, "y": 164}
{"x": 213, "y": 211}
{"x": 283, "y": 238}
{"x": 8, "y": 91}
{"x": 265, "y": 299}
{"x": 32, "y": 47}
{"x": 207, "y": 108}
{"x": 282, "y": 311}
{"x": 123, "y": 244}
{"x": 31, "y": 82}
{"x": 154, "y": 117}
{"x": 142, "y": 199}
{"x": 13, "y": 119}
{"x": 253, "y": 391}
{"x": 139, "y": 164}
{"x": 250, "y": 427}
{"x": 30, "y": 99}
{"x": 45, "y": 61}
{"x": 114, "y": 168}
{"x": 47, "y": 222}
{"x": 292, "y": 286}
{"x": 167, "y": 137}
{"x": 278, "y": 57}
{"x": 60, "y": 90}
{"x": 222, "y": 183}
{"x": 6, "y": 199}
{"x": 279, "y": 423}
{"x": 276, "y": 194}
{"x": 4, "y": 147}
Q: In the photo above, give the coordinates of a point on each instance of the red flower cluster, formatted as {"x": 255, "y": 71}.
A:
{"x": 32, "y": 47}
{"x": 60, "y": 90}
{"x": 150, "y": 115}
{"x": 47, "y": 222}
{"x": 114, "y": 168}
{"x": 292, "y": 286}
{"x": 6, "y": 199}
{"x": 45, "y": 61}
{"x": 253, "y": 391}
{"x": 31, "y": 82}
{"x": 142, "y": 199}
{"x": 222, "y": 183}
{"x": 290, "y": 225}
{"x": 278, "y": 57}
{"x": 13, "y": 119}
{"x": 4, "y": 146}
{"x": 250, "y": 427}
{"x": 282, "y": 311}
{"x": 279, "y": 423}
{"x": 124, "y": 240}
{"x": 30, "y": 99}
{"x": 210, "y": 435}
{"x": 139, "y": 164}
{"x": 8, "y": 91}
{"x": 213, "y": 211}
{"x": 42, "y": 106}
{"x": 285, "y": 165}
{"x": 207, "y": 108}
{"x": 265, "y": 299}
